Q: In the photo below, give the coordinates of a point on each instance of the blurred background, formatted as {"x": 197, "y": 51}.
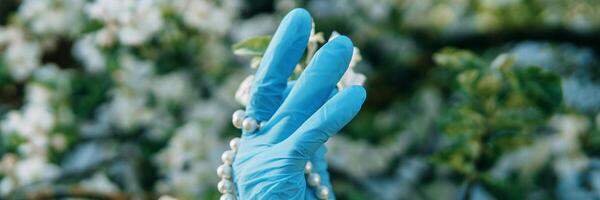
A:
{"x": 467, "y": 99}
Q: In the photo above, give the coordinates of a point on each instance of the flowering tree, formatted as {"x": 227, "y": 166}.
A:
{"x": 131, "y": 99}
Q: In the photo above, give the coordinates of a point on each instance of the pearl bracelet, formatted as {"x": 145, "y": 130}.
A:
{"x": 314, "y": 180}
{"x": 225, "y": 171}
{"x": 240, "y": 121}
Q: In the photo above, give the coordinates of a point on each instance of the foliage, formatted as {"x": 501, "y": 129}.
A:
{"x": 255, "y": 46}
{"x": 498, "y": 109}
{"x": 468, "y": 99}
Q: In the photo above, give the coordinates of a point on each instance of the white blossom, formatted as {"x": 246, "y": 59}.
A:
{"x": 173, "y": 87}
{"x": 52, "y": 16}
{"x": 165, "y": 197}
{"x": 21, "y": 58}
{"x": 89, "y": 54}
{"x": 242, "y": 95}
{"x": 189, "y": 160}
{"x": 132, "y": 21}
{"x": 257, "y": 25}
{"x": 34, "y": 168}
{"x": 9, "y": 34}
{"x": 134, "y": 74}
{"x": 129, "y": 105}
{"x": 27, "y": 171}
{"x": 207, "y": 16}
{"x": 129, "y": 110}
{"x": 36, "y": 118}
{"x": 99, "y": 182}
{"x": 34, "y": 123}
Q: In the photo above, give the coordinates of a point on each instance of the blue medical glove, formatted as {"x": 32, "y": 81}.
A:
{"x": 298, "y": 117}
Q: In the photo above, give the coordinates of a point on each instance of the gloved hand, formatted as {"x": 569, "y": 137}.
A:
{"x": 298, "y": 117}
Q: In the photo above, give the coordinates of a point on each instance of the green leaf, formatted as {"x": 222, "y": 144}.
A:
{"x": 467, "y": 81}
{"x": 458, "y": 60}
{"x": 502, "y": 189}
{"x": 488, "y": 85}
{"x": 542, "y": 87}
{"x": 516, "y": 118}
{"x": 463, "y": 122}
{"x": 255, "y": 46}
{"x": 503, "y": 62}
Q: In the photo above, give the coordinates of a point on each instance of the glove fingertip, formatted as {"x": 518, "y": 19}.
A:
{"x": 359, "y": 91}
{"x": 344, "y": 43}
{"x": 301, "y": 16}
{"x": 355, "y": 95}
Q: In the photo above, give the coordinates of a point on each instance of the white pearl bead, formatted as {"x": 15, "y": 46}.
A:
{"x": 227, "y": 157}
{"x": 238, "y": 118}
{"x": 249, "y": 125}
{"x": 234, "y": 143}
{"x": 308, "y": 167}
{"x": 323, "y": 192}
{"x": 225, "y": 186}
{"x": 224, "y": 171}
{"x": 314, "y": 179}
{"x": 262, "y": 124}
{"x": 226, "y": 197}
